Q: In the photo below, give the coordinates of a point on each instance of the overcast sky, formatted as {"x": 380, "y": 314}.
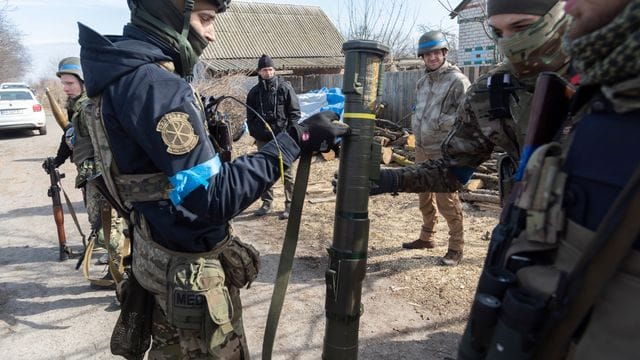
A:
{"x": 50, "y": 30}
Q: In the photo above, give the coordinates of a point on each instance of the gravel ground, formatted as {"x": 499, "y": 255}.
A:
{"x": 413, "y": 308}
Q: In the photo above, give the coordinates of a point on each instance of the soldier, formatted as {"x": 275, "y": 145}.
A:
{"x": 572, "y": 245}
{"x": 276, "y": 101}
{"x": 496, "y": 107}
{"x": 76, "y": 143}
{"x": 161, "y": 168}
{"x": 439, "y": 93}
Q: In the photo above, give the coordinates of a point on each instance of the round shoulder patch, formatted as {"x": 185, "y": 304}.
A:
{"x": 177, "y": 133}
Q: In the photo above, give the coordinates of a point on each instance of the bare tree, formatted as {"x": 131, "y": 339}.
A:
{"x": 14, "y": 56}
{"x": 389, "y": 22}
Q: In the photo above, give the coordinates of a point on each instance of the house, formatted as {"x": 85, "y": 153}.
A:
{"x": 476, "y": 50}
{"x": 301, "y": 40}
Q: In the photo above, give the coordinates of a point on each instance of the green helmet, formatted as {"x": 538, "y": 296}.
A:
{"x": 70, "y": 65}
{"x": 168, "y": 20}
{"x": 432, "y": 40}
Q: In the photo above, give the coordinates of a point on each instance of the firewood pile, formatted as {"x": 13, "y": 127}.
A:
{"x": 398, "y": 144}
{"x": 483, "y": 188}
{"x": 398, "y": 148}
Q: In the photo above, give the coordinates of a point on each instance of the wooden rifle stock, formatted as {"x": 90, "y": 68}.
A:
{"x": 58, "y": 213}
{"x": 58, "y": 114}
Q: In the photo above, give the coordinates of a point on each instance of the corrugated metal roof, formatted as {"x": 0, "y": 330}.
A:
{"x": 294, "y": 36}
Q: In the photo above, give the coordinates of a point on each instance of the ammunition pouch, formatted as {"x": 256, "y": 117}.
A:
{"x": 151, "y": 261}
{"x": 241, "y": 263}
{"x": 198, "y": 299}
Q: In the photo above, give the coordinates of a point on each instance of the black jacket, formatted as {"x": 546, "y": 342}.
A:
{"x": 277, "y": 102}
{"x": 137, "y": 94}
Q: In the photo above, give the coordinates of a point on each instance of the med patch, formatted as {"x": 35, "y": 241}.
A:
{"x": 177, "y": 133}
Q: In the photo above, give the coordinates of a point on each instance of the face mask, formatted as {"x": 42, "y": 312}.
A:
{"x": 539, "y": 47}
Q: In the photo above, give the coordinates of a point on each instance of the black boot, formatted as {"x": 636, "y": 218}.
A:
{"x": 285, "y": 214}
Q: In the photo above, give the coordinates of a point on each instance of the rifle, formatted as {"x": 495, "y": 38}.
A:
{"x": 58, "y": 213}
{"x": 549, "y": 114}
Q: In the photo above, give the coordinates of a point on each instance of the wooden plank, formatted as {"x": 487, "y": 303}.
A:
{"x": 474, "y": 184}
{"x": 322, "y": 199}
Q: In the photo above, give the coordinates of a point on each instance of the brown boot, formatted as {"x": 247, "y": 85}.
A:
{"x": 419, "y": 244}
{"x": 451, "y": 258}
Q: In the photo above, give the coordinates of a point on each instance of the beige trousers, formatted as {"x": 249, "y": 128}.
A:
{"x": 448, "y": 204}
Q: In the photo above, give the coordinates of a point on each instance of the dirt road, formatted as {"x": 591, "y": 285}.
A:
{"x": 414, "y": 309}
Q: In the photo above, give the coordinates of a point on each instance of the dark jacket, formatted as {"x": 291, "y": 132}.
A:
{"x": 137, "y": 93}
{"x": 277, "y": 102}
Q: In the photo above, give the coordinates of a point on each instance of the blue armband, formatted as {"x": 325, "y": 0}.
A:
{"x": 185, "y": 181}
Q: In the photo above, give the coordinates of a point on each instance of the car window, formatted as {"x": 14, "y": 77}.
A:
{"x": 15, "y": 95}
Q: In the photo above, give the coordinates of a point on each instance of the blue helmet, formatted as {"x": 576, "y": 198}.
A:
{"x": 432, "y": 40}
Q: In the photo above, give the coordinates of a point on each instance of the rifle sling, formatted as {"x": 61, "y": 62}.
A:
{"x": 613, "y": 240}
{"x": 287, "y": 254}
{"x": 73, "y": 215}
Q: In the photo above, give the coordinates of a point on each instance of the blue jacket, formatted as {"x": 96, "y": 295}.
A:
{"x": 136, "y": 94}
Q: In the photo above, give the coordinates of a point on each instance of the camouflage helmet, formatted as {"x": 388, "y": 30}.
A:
{"x": 70, "y": 65}
{"x": 432, "y": 40}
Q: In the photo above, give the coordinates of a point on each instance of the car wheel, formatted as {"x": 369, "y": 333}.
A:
{"x": 43, "y": 130}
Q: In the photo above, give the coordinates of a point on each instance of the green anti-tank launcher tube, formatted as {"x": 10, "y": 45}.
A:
{"x": 359, "y": 162}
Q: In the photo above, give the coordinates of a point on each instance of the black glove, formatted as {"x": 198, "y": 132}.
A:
{"x": 318, "y": 132}
{"x": 389, "y": 182}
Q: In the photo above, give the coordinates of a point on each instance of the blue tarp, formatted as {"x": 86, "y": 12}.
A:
{"x": 320, "y": 100}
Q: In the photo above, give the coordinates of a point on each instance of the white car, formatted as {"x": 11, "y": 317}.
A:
{"x": 20, "y": 109}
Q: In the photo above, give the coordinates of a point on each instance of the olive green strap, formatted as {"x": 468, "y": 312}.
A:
{"x": 286, "y": 256}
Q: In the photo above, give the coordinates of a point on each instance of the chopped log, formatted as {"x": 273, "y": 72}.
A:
{"x": 471, "y": 197}
{"x": 474, "y": 184}
{"x": 490, "y": 181}
{"x": 329, "y": 155}
{"x": 384, "y": 141}
{"x": 387, "y": 124}
{"x": 411, "y": 141}
{"x": 407, "y": 154}
{"x": 404, "y": 140}
{"x": 487, "y": 192}
{"x": 402, "y": 160}
{"x": 387, "y": 155}
{"x": 392, "y": 135}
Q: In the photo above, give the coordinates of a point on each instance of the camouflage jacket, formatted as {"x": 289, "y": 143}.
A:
{"x": 439, "y": 94}
{"x": 474, "y": 136}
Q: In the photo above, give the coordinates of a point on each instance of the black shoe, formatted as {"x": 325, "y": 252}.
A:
{"x": 264, "y": 209}
{"x": 451, "y": 258}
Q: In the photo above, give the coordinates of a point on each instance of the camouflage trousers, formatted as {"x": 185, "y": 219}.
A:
{"x": 171, "y": 343}
{"x": 267, "y": 196}
{"x": 448, "y": 204}
{"x": 94, "y": 202}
